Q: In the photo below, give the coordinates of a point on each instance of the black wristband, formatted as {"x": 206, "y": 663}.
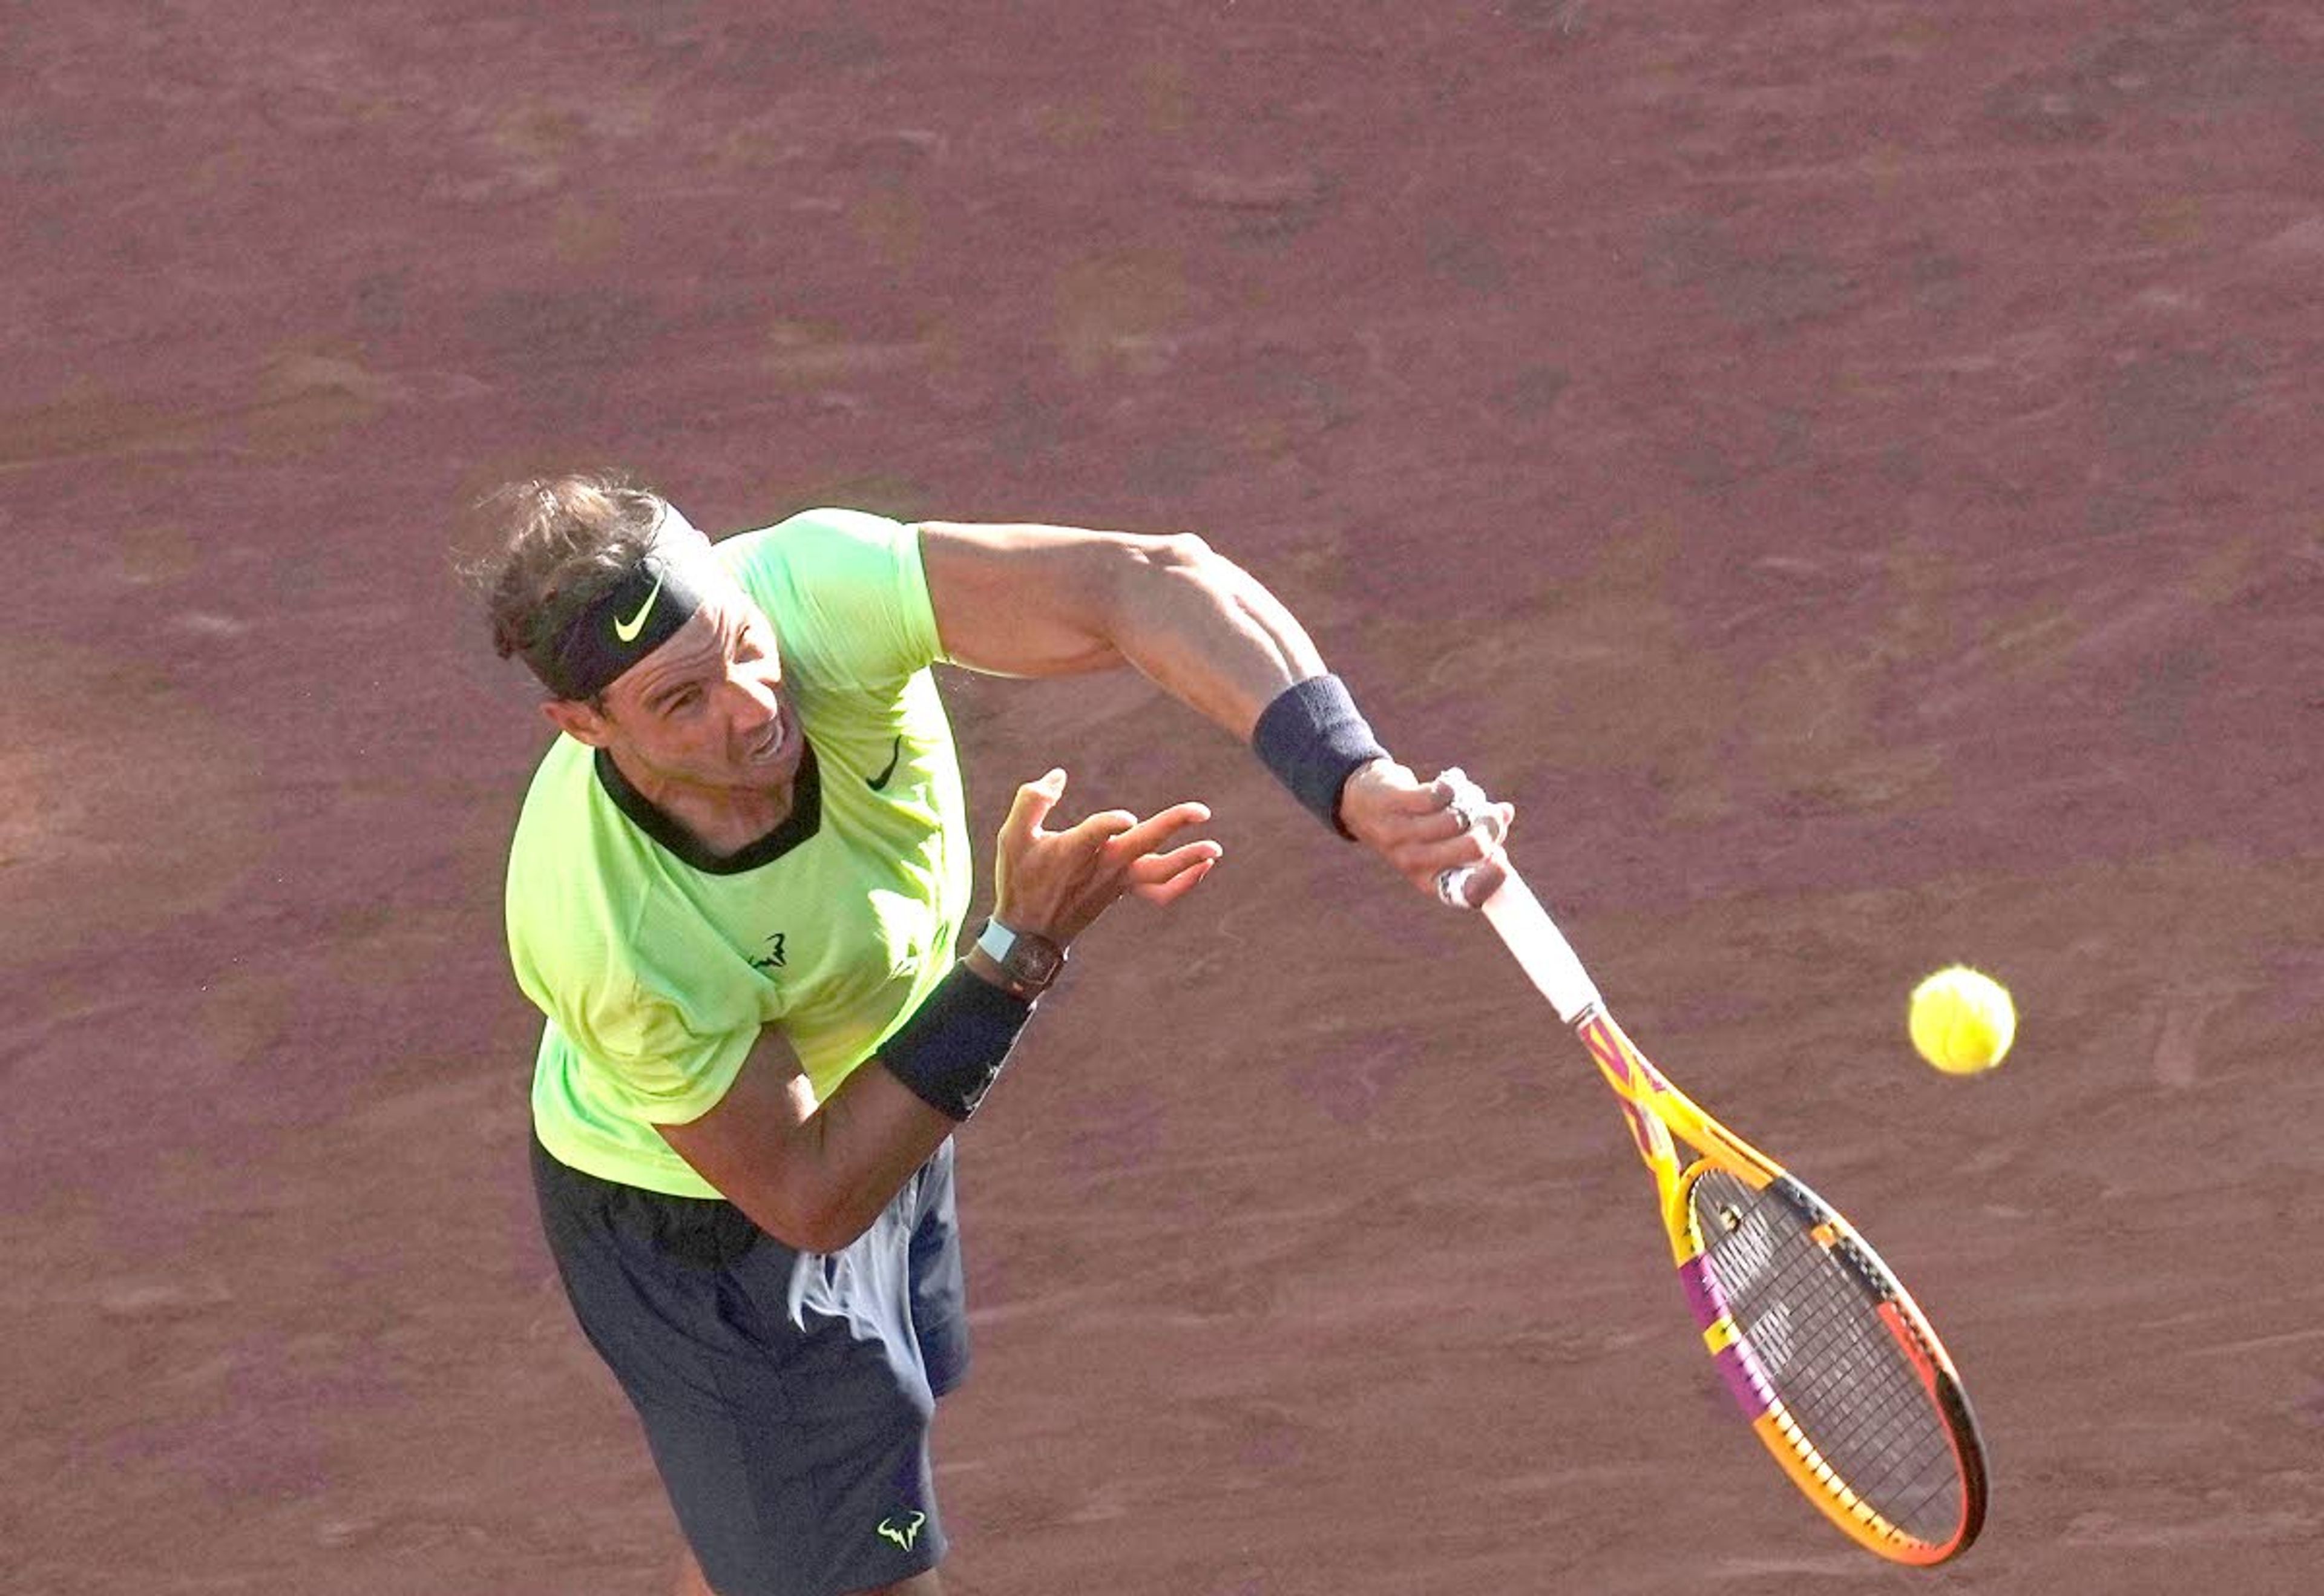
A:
{"x": 1314, "y": 738}
{"x": 951, "y": 1049}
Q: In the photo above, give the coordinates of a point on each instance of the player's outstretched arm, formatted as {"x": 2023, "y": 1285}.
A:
{"x": 1056, "y": 601}
{"x": 1047, "y": 601}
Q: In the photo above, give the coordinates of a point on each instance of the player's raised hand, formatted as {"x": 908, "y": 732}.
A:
{"x": 1056, "y": 883}
{"x": 1431, "y": 832}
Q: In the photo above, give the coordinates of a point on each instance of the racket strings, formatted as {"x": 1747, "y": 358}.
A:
{"x": 1810, "y": 1315}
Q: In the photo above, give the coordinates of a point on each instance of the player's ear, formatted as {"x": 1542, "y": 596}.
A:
{"x": 578, "y": 720}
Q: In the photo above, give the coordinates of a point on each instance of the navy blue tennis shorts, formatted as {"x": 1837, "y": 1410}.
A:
{"x": 786, "y": 1395}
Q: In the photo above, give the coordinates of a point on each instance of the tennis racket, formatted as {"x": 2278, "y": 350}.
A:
{"x": 1830, "y": 1359}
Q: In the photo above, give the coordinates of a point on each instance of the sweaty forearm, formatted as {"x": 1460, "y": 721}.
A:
{"x": 849, "y": 1158}
{"x": 1208, "y": 632}
{"x": 814, "y": 1175}
{"x": 856, "y": 1151}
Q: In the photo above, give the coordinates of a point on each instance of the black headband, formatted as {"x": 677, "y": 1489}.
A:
{"x": 631, "y": 619}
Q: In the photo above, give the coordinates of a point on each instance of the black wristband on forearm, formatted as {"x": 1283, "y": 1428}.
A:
{"x": 951, "y": 1049}
{"x": 1314, "y": 738}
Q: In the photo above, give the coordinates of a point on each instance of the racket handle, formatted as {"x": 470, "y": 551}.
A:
{"x": 1540, "y": 949}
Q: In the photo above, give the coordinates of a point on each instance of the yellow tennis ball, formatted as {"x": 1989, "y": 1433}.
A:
{"x": 1962, "y": 1021}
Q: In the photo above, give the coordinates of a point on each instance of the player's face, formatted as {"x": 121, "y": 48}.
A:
{"x": 707, "y": 707}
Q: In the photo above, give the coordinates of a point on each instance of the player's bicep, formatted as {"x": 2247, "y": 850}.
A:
{"x": 1025, "y": 600}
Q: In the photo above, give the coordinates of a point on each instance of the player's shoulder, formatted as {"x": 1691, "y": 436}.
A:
{"x": 554, "y": 823}
{"x": 581, "y": 889}
{"x": 552, "y": 775}
{"x": 565, "y": 764}
{"x": 846, "y": 591}
{"x": 824, "y": 543}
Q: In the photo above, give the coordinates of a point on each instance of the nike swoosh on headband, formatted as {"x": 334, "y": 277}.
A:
{"x": 627, "y": 631}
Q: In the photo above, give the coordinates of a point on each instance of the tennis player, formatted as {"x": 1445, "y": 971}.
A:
{"x": 735, "y": 891}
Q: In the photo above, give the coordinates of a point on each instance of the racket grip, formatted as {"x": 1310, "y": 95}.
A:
{"x": 1540, "y": 949}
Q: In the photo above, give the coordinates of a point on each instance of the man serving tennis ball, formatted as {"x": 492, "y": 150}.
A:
{"x": 734, "y": 892}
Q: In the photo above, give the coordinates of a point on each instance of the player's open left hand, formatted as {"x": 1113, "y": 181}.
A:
{"x": 1430, "y": 831}
{"x": 1056, "y": 883}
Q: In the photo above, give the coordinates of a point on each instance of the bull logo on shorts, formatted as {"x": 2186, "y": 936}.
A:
{"x": 905, "y": 1533}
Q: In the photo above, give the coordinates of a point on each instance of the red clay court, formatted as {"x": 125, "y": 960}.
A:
{"x": 1848, "y": 472}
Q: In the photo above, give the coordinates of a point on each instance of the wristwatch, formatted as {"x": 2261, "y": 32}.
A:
{"x": 1029, "y": 961}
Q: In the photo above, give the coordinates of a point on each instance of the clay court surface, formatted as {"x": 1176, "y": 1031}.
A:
{"x": 1847, "y": 470}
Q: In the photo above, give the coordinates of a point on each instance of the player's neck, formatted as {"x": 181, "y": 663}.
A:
{"x": 722, "y": 820}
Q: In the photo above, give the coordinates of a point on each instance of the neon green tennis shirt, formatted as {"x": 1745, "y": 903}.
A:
{"x": 656, "y": 973}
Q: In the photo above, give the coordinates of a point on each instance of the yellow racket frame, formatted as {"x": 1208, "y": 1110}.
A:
{"x": 1657, "y": 1111}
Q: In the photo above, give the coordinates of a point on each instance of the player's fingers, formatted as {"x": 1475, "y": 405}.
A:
{"x": 1031, "y": 806}
{"x": 1152, "y": 832}
{"x": 1490, "y": 821}
{"x": 1494, "y": 825}
{"x": 1094, "y": 831}
{"x": 1460, "y": 798}
{"x": 1178, "y": 885}
{"x": 1466, "y": 886}
{"x": 1432, "y": 850}
{"x": 1486, "y": 879}
{"x": 1157, "y": 868}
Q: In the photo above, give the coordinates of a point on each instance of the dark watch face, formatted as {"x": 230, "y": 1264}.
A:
{"x": 1031, "y": 960}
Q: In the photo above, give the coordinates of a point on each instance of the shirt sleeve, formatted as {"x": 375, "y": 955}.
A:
{"x": 846, "y": 592}
{"x": 672, "y": 1066}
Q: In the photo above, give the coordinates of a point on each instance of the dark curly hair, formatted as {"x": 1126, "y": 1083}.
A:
{"x": 562, "y": 542}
